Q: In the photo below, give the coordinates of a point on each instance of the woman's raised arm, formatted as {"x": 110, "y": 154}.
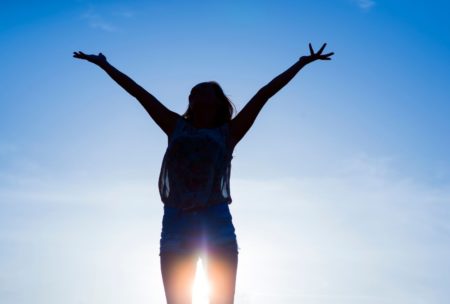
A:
{"x": 246, "y": 117}
{"x": 164, "y": 118}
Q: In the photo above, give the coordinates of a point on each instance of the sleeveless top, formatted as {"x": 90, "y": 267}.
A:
{"x": 195, "y": 170}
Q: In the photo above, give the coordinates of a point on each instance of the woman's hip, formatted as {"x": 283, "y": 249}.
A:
{"x": 210, "y": 228}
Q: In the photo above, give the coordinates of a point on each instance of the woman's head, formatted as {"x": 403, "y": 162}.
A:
{"x": 207, "y": 99}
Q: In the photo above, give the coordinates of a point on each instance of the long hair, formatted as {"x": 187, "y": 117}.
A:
{"x": 226, "y": 107}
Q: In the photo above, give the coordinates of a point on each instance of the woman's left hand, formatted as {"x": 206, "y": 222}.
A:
{"x": 315, "y": 56}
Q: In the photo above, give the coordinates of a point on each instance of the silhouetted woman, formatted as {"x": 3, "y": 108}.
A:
{"x": 194, "y": 181}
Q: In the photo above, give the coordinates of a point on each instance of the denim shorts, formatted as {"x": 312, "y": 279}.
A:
{"x": 199, "y": 230}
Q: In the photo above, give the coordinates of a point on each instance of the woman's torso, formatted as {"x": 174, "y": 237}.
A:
{"x": 196, "y": 167}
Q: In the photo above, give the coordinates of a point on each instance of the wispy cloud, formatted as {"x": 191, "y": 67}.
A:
{"x": 99, "y": 21}
{"x": 95, "y": 20}
{"x": 364, "y": 4}
{"x": 124, "y": 13}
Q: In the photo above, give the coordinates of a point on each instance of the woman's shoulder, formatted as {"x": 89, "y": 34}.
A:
{"x": 179, "y": 124}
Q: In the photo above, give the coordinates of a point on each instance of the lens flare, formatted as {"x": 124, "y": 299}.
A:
{"x": 201, "y": 288}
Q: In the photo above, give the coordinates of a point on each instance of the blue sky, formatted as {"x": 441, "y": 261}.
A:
{"x": 341, "y": 189}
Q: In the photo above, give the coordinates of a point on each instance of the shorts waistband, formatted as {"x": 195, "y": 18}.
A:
{"x": 212, "y": 207}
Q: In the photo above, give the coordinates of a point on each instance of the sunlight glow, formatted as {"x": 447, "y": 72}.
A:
{"x": 201, "y": 288}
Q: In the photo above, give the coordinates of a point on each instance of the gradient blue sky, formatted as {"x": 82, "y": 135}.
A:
{"x": 341, "y": 189}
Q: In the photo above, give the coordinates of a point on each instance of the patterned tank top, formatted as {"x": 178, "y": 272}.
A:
{"x": 195, "y": 170}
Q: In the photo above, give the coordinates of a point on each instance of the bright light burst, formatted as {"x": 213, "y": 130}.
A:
{"x": 201, "y": 288}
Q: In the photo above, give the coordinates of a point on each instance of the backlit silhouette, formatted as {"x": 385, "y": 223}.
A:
{"x": 194, "y": 180}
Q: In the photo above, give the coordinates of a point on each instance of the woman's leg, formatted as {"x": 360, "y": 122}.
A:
{"x": 222, "y": 270}
{"x": 178, "y": 271}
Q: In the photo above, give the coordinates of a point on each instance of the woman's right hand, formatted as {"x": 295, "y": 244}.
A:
{"x": 97, "y": 59}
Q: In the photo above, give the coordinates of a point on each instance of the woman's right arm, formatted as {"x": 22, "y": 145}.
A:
{"x": 164, "y": 118}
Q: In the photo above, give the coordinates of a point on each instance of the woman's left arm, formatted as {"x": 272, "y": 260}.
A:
{"x": 246, "y": 117}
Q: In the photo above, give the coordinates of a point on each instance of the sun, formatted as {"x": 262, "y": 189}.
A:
{"x": 201, "y": 288}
